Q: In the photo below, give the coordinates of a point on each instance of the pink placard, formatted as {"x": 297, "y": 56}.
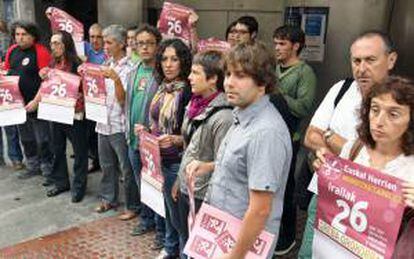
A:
{"x": 215, "y": 233}
{"x": 60, "y": 20}
{"x": 94, "y": 84}
{"x": 151, "y": 160}
{"x": 213, "y": 44}
{"x": 61, "y": 88}
{"x": 10, "y": 96}
{"x": 359, "y": 208}
{"x": 174, "y": 22}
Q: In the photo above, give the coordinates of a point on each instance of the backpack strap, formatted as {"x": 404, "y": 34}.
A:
{"x": 355, "y": 149}
{"x": 345, "y": 86}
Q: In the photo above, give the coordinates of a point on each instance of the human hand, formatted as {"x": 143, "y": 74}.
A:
{"x": 43, "y": 73}
{"x": 138, "y": 128}
{"x": 109, "y": 73}
{"x": 166, "y": 141}
{"x": 175, "y": 191}
{"x": 193, "y": 19}
{"x": 195, "y": 169}
{"x": 320, "y": 158}
{"x": 408, "y": 193}
{"x": 31, "y": 106}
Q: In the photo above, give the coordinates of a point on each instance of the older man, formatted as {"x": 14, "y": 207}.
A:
{"x": 334, "y": 122}
{"x": 112, "y": 146}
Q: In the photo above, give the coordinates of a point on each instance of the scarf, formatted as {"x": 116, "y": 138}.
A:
{"x": 198, "y": 104}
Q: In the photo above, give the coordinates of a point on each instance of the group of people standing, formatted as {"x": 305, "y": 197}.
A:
{"x": 229, "y": 122}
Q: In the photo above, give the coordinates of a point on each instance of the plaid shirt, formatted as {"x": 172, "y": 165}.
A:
{"x": 116, "y": 113}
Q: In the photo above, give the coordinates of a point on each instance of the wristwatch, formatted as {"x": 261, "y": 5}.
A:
{"x": 327, "y": 134}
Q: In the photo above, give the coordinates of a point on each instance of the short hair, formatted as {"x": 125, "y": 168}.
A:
{"x": 151, "y": 30}
{"x": 385, "y": 37}
{"x": 293, "y": 34}
{"x": 183, "y": 53}
{"x": 95, "y": 26}
{"x": 132, "y": 28}
{"x": 212, "y": 62}
{"x": 115, "y": 31}
{"x": 29, "y": 27}
{"x": 250, "y": 22}
{"x": 402, "y": 90}
{"x": 229, "y": 28}
{"x": 257, "y": 61}
{"x": 70, "y": 51}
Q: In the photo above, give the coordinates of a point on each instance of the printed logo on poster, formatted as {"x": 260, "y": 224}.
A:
{"x": 215, "y": 233}
{"x": 213, "y": 44}
{"x": 10, "y": 96}
{"x": 60, "y": 88}
{"x": 151, "y": 160}
{"x": 174, "y": 22}
{"x": 359, "y": 208}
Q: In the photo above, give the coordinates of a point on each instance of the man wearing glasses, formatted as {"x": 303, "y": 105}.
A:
{"x": 140, "y": 90}
{"x": 246, "y": 29}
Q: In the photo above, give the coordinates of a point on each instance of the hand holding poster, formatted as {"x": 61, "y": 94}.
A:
{"x": 174, "y": 22}
{"x": 60, "y": 20}
{"x": 215, "y": 233}
{"x": 213, "y": 44}
{"x": 95, "y": 93}
{"x": 152, "y": 180}
{"x": 12, "y": 110}
{"x": 59, "y": 94}
{"x": 359, "y": 208}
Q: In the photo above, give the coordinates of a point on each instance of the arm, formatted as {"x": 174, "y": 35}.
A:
{"x": 305, "y": 95}
{"x": 314, "y": 140}
{"x": 119, "y": 88}
{"x": 253, "y": 222}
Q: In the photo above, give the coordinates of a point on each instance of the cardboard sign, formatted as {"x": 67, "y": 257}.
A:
{"x": 95, "y": 93}
{"x": 59, "y": 94}
{"x": 213, "y": 44}
{"x": 152, "y": 180}
{"x": 174, "y": 22}
{"x": 12, "y": 110}
{"x": 215, "y": 233}
{"x": 60, "y": 20}
{"x": 359, "y": 208}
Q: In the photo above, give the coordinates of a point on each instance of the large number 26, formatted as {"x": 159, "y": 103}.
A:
{"x": 174, "y": 27}
{"x": 354, "y": 214}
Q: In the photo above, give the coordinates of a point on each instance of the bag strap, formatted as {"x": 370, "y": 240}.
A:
{"x": 345, "y": 86}
{"x": 355, "y": 149}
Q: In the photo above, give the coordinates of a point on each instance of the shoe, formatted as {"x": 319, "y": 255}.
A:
{"x": 162, "y": 254}
{"x": 56, "y": 191}
{"x": 141, "y": 230}
{"x": 157, "y": 245}
{"x": 29, "y": 174}
{"x": 17, "y": 165}
{"x": 77, "y": 198}
{"x": 283, "y": 249}
{"x": 127, "y": 215}
{"x": 94, "y": 168}
{"x": 104, "y": 207}
{"x": 46, "y": 183}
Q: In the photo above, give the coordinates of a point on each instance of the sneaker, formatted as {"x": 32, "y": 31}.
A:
{"x": 141, "y": 230}
{"x": 282, "y": 249}
{"x": 164, "y": 255}
{"x": 29, "y": 174}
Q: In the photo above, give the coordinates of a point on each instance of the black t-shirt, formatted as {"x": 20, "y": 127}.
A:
{"x": 23, "y": 63}
{"x": 283, "y": 69}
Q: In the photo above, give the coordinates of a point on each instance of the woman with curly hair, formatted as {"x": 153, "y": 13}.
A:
{"x": 386, "y": 134}
{"x": 172, "y": 65}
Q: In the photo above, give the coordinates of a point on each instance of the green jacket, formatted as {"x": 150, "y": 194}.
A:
{"x": 298, "y": 86}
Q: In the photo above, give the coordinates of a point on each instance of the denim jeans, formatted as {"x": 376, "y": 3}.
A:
{"x": 148, "y": 218}
{"x": 172, "y": 217}
{"x": 113, "y": 156}
{"x": 35, "y": 137}
{"x": 14, "y": 151}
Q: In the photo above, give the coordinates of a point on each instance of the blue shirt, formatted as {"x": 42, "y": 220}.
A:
{"x": 95, "y": 57}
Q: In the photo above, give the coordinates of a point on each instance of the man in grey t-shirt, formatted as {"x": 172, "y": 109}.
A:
{"x": 253, "y": 161}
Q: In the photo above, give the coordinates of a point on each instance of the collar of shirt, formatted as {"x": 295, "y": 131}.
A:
{"x": 112, "y": 63}
{"x": 246, "y": 115}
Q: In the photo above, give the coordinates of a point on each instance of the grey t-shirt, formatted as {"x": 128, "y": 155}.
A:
{"x": 254, "y": 155}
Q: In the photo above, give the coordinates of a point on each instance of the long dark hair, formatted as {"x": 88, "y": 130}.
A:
{"x": 402, "y": 90}
{"x": 183, "y": 53}
{"x": 70, "y": 54}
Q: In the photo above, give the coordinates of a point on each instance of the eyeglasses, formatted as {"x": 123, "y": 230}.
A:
{"x": 142, "y": 44}
{"x": 239, "y": 31}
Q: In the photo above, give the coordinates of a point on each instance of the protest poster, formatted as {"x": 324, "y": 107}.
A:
{"x": 59, "y": 93}
{"x": 152, "y": 180}
{"x": 213, "y": 44}
{"x": 95, "y": 93}
{"x": 215, "y": 232}
{"x": 12, "y": 109}
{"x": 174, "y": 22}
{"x": 359, "y": 211}
{"x": 61, "y": 20}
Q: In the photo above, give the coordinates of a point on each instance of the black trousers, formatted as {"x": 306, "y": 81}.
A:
{"x": 92, "y": 141}
{"x": 77, "y": 135}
